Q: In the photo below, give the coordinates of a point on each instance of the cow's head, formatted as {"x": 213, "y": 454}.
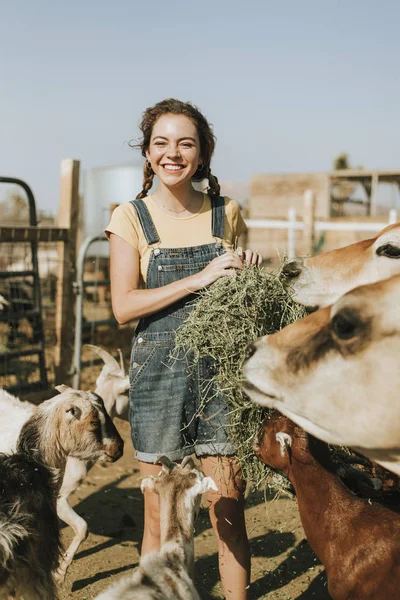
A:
{"x": 320, "y": 280}
{"x": 336, "y": 372}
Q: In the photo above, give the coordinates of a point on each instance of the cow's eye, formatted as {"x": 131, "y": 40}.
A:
{"x": 389, "y": 250}
{"x": 345, "y": 325}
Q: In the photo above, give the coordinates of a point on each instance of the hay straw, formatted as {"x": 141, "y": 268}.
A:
{"x": 228, "y": 316}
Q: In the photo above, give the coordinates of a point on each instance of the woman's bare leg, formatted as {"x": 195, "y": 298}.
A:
{"x": 227, "y": 519}
{"x": 151, "y": 533}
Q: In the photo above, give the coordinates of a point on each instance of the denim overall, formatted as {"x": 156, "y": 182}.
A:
{"x": 167, "y": 410}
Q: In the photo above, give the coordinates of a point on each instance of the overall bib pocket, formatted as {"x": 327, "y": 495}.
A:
{"x": 170, "y": 273}
{"x": 141, "y": 355}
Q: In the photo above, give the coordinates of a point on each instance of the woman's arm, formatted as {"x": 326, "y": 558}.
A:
{"x": 129, "y": 302}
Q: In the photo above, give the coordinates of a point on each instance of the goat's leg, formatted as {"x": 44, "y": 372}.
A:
{"x": 75, "y": 472}
{"x": 79, "y": 525}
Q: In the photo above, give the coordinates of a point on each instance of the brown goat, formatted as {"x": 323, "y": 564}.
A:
{"x": 358, "y": 542}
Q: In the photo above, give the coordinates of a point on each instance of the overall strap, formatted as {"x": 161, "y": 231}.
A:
{"x": 218, "y": 217}
{"x": 146, "y": 221}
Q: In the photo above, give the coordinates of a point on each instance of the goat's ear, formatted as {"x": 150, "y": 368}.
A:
{"x": 149, "y": 484}
{"x": 284, "y": 440}
{"x": 123, "y": 385}
{"x": 63, "y": 388}
{"x": 206, "y": 484}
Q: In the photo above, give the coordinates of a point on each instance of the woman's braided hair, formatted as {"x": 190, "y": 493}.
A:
{"x": 204, "y": 131}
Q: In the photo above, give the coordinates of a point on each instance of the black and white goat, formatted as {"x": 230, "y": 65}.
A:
{"x": 166, "y": 575}
{"x": 30, "y": 547}
{"x": 73, "y": 424}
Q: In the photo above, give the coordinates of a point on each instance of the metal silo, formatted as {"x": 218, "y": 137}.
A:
{"x": 102, "y": 187}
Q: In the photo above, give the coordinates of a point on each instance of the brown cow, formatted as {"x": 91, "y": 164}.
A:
{"x": 357, "y": 541}
{"x": 321, "y": 280}
{"x": 336, "y": 372}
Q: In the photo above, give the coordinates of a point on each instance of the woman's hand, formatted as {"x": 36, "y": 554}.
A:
{"x": 219, "y": 267}
{"x": 250, "y": 257}
{"x": 223, "y": 265}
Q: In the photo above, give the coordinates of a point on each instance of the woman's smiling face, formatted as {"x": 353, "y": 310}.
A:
{"x": 174, "y": 151}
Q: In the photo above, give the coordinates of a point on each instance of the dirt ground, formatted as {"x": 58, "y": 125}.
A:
{"x": 283, "y": 565}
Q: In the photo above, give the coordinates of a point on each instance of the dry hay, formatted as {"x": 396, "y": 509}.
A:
{"x": 227, "y": 317}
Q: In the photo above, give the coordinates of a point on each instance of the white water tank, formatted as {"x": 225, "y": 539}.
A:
{"x": 102, "y": 187}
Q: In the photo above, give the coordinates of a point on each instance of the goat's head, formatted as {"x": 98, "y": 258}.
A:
{"x": 183, "y": 482}
{"x": 112, "y": 384}
{"x": 84, "y": 428}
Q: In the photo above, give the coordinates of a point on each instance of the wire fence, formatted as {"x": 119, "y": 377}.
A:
{"x": 29, "y": 329}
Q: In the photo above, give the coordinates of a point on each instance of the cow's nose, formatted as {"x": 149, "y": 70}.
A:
{"x": 291, "y": 270}
{"x": 250, "y": 350}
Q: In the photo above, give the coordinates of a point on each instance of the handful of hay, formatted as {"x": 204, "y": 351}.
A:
{"x": 228, "y": 316}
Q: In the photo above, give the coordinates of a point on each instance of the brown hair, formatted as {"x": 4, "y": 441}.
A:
{"x": 204, "y": 131}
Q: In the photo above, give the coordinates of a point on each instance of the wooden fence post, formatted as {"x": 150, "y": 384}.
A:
{"x": 113, "y": 206}
{"x": 68, "y": 216}
{"x": 373, "y": 196}
{"x": 291, "y": 239}
{"x": 308, "y": 221}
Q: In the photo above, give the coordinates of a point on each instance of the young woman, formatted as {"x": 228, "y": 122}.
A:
{"x": 164, "y": 248}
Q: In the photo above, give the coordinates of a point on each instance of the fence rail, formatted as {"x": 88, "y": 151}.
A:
{"x": 310, "y": 226}
{"x": 33, "y": 234}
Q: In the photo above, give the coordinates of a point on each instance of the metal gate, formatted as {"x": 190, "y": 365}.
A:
{"x": 21, "y": 300}
{"x": 80, "y": 322}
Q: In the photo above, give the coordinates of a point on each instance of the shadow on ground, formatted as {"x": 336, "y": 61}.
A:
{"x": 272, "y": 544}
{"x": 300, "y": 560}
{"x": 116, "y": 512}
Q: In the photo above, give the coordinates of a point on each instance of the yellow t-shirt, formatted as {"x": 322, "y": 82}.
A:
{"x": 174, "y": 232}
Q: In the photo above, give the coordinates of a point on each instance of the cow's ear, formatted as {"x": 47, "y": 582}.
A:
{"x": 285, "y": 441}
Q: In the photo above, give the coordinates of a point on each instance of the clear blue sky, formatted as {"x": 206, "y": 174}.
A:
{"x": 287, "y": 84}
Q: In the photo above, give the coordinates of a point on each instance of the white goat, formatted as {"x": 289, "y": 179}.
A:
{"x": 112, "y": 385}
{"x": 164, "y": 575}
{"x": 73, "y": 425}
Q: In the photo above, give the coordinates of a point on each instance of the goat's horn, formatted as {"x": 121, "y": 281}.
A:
{"x": 165, "y": 462}
{"x": 284, "y": 440}
{"x": 121, "y": 362}
{"x": 109, "y": 360}
{"x": 187, "y": 460}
